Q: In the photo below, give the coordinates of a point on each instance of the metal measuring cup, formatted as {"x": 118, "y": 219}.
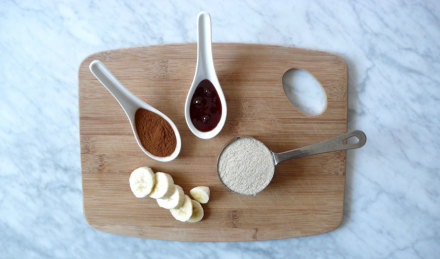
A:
{"x": 334, "y": 144}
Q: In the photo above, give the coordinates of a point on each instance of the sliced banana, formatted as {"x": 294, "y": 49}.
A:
{"x": 142, "y": 181}
{"x": 164, "y": 187}
{"x": 198, "y": 213}
{"x": 174, "y": 201}
{"x": 185, "y": 212}
{"x": 200, "y": 194}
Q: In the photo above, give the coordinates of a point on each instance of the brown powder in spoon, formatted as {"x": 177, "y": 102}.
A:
{"x": 155, "y": 133}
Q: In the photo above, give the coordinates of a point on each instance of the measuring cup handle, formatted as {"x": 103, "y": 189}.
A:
{"x": 334, "y": 144}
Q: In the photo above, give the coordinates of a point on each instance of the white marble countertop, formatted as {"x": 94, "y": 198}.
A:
{"x": 393, "y": 52}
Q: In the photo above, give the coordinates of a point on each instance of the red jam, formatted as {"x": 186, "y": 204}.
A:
{"x": 205, "y": 109}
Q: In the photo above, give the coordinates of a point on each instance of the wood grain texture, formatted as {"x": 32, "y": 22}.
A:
{"x": 306, "y": 195}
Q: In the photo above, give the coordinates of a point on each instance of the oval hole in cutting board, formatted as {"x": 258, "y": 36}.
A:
{"x": 304, "y": 91}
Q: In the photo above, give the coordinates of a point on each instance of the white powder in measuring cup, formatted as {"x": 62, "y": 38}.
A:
{"x": 246, "y": 166}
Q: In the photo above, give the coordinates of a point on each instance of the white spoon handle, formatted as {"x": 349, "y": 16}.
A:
{"x": 128, "y": 101}
{"x": 205, "y": 62}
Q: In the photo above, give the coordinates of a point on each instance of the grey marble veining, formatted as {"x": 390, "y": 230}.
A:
{"x": 393, "y": 52}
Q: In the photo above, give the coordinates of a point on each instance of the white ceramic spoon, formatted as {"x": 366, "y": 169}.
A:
{"x": 205, "y": 70}
{"x": 130, "y": 104}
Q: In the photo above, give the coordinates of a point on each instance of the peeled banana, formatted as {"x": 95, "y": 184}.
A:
{"x": 200, "y": 194}
{"x": 197, "y": 213}
{"x": 164, "y": 187}
{"x": 160, "y": 186}
{"x": 142, "y": 181}
{"x": 185, "y": 212}
{"x": 176, "y": 200}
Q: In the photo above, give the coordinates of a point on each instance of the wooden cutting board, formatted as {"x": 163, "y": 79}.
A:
{"x": 306, "y": 195}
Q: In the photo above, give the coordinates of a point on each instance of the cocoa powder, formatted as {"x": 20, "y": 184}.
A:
{"x": 155, "y": 133}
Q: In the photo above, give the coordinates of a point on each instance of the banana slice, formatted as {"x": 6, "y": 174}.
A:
{"x": 198, "y": 213}
{"x": 200, "y": 194}
{"x": 142, "y": 181}
{"x": 174, "y": 201}
{"x": 185, "y": 212}
{"x": 164, "y": 186}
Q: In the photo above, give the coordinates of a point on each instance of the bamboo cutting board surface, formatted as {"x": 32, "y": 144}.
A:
{"x": 306, "y": 195}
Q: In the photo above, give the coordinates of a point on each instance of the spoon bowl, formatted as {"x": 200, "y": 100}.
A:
{"x": 130, "y": 104}
{"x": 205, "y": 70}
{"x": 263, "y": 167}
